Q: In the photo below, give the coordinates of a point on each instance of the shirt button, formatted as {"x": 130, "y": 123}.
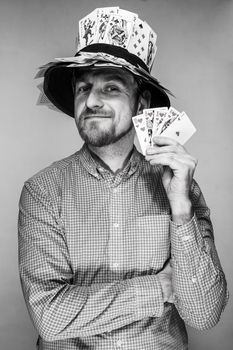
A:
{"x": 186, "y": 238}
{"x": 194, "y": 279}
{"x": 115, "y": 190}
{"x": 115, "y": 225}
{"x": 115, "y": 265}
{"x": 119, "y": 344}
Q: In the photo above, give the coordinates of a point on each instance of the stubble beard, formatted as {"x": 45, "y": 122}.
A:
{"x": 94, "y": 135}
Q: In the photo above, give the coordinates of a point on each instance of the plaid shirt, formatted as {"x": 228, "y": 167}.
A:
{"x": 90, "y": 245}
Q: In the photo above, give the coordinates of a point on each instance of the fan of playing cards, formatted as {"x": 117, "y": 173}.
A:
{"x": 162, "y": 122}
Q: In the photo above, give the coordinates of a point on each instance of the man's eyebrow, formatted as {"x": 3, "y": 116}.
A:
{"x": 112, "y": 77}
{"x": 117, "y": 77}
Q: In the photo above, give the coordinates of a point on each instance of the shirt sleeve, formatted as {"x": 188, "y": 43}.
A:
{"x": 198, "y": 280}
{"x": 59, "y": 308}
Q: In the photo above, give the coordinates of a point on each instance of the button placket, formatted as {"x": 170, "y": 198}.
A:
{"x": 115, "y": 247}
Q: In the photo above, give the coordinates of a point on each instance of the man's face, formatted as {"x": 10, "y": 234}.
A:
{"x": 105, "y": 101}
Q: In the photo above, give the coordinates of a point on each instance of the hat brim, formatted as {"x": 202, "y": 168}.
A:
{"x": 59, "y": 89}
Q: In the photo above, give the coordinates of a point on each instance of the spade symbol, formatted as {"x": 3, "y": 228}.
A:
{"x": 177, "y": 133}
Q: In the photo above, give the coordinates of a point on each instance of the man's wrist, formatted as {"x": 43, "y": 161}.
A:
{"x": 182, "y": 211}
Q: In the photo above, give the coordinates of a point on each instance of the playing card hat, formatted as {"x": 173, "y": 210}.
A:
{"x": 108, "y": 37}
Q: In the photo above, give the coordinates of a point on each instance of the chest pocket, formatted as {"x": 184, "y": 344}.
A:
{"x": 151, "y": 241}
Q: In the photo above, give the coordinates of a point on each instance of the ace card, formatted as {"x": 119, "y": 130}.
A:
{"x": 181, "y": 129}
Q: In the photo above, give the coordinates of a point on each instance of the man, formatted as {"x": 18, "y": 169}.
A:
{"x": 116, "y": 249}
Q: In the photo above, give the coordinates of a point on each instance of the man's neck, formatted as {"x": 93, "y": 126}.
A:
{"x": 114, "y": 155}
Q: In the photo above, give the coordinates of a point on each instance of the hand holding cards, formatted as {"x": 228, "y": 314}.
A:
{"x": 162, "y": 122}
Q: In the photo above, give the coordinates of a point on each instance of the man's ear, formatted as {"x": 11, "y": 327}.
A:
{"x": 144, "y": 101}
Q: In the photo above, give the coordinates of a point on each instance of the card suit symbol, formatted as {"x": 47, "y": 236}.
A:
{"x": 143, "y": 129}
{"x": 178, "y": 118}
{"x": 140, "y": 25}
{"x": 177, "y": 133}
{"x": 140, "y": 120}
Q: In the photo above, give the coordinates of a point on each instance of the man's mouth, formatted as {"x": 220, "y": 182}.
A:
{"x": 96, "y": 116}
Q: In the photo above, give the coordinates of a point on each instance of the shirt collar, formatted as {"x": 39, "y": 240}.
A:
{"x": 93, "y": 164}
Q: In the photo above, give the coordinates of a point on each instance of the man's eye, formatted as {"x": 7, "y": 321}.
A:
{"x": 111, "y": 88}
{"x": 82, "y": 89}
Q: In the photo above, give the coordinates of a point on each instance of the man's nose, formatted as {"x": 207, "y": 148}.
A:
{"x": 94, "y": 100}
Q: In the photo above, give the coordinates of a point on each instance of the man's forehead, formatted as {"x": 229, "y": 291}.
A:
{"x": 106, "y": 74}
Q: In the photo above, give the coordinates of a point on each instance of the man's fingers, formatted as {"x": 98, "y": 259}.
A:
{"x": 165, "y": 159}
{"x": 165, "y": 141}
{"x": 165, "y": 149}
{"x": 173, "y": 160}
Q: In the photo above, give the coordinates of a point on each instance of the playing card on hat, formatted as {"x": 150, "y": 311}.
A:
{"x": 152, "y": 48}
{"x": 88, "y": 29}
{"x": 119, "y": 29}
{"x": 103, "y": 19}
{"x": 139, "y": 40}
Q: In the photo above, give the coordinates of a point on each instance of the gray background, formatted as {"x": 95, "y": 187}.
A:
{"x": 194, "y": 59}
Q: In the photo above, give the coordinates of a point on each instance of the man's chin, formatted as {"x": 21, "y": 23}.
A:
{"x": 97, "y": 139}
{"x": 100, "y": 138}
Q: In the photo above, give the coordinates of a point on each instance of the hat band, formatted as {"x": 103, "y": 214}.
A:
{"x": 116, "y": 51}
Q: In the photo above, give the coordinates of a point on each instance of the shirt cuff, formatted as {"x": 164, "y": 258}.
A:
{"x": 186, "y": 238}
{"x": 148, "y": 297}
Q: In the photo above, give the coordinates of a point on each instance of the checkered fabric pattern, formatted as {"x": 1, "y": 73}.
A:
{"x": 90, "y": 246}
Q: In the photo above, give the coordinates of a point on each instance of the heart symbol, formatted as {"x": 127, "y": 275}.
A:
{"x": 177, "y": 133}
{"x": 140, "y": 120}
{"x": 143, "y": 129}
